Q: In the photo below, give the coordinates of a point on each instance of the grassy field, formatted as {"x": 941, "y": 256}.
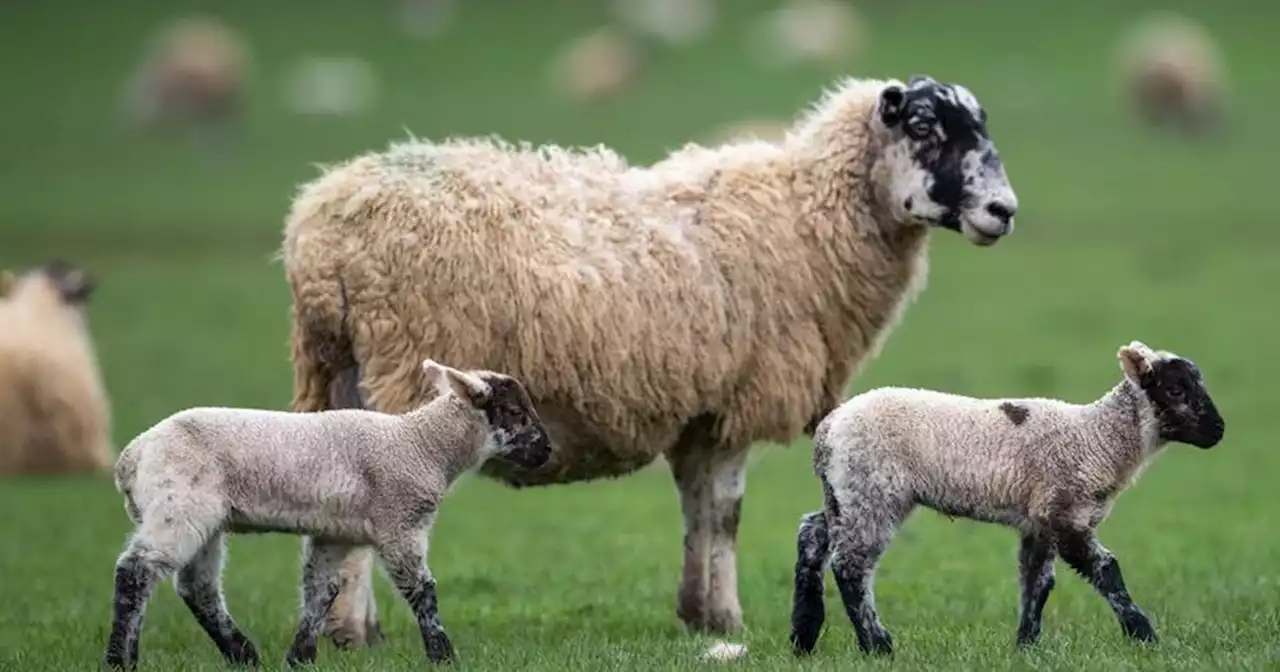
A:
{"x": 1122, "y": 234}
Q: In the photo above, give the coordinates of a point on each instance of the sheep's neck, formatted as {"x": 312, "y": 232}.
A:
{"x": 1126, "y": 429}
{"x": 450, "y": 436}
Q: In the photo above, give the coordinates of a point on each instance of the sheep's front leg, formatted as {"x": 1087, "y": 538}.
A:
{"x": 405, "y": 560}
{"x": 1035, "y": 573}
{"x": 808, "y": 608}
{"x": 1082, "y": 550}
{"x": 353, "y": 618}
{"x": 320, "y": 583}
{"x": 711, "y": 488}
{"x": 199, "y": 584}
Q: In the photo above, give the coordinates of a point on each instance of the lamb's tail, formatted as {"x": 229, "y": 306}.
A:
{"x": 126, "y": 473}
{"x": 325, "y": 372}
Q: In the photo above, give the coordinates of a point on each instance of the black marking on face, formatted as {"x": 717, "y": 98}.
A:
{"x": 1183, "y": 407}
{"x": 944, "y": 130}
{"x": 1016, "y": 414}
{"x": 511, "y": 415}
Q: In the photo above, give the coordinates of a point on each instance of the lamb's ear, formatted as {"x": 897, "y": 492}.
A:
{"x": 1135, "y": 360}
{"x": 889, "y": 107}
{"x": 452, "y": 381}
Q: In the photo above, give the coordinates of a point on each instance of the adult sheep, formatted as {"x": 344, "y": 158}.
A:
{"x": 720, "y": 297}
{"x": 55, "y": 414}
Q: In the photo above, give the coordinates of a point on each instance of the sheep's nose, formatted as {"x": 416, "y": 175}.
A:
{"x": 1002, "y": 211}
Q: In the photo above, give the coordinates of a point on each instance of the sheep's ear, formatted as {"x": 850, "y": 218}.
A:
{"x": 74, "y": 284}
{"x": 452, "y": 381}
{"x": 1135, "y": 360}
{"x": 889, "y": 107}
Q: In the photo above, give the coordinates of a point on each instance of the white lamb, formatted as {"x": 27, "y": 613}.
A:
{"x": 342, "y": 477}
{"x": 1048, "y": 468}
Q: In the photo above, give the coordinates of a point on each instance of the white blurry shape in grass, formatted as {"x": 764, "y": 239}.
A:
{"x": 723, "y": 652}
{"x": 426, "y": 19}
{"x": 596, "y": 65}
{"x": 672, "y": 21}
{"x": 333, "y": 86}
{"x": 809, "y": 30}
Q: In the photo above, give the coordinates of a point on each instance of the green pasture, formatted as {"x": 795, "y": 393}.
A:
{"x": 1123, "y": 234}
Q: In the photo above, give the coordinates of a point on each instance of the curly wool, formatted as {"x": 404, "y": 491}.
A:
{"x": 744, "y": 283}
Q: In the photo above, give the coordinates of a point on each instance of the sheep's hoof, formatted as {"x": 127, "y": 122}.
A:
{"x": 1137, "y": 627}
{"x": 356, "y": 637}
{"x": 115, "y": 660}
{"x": 877, "y": 643}
{"x": 439, "y": 648}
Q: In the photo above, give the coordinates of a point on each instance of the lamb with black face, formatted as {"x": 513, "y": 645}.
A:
{"x": 943, "y": 168}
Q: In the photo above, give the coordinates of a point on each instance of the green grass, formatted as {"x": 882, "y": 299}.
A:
{"x": 1123, "y": 234}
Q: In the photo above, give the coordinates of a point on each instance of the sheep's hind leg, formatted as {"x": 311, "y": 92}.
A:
{"x": 320, "y": 582}
{"x": 861, "y": 524}
{"x": 199, "y": 584}
{"x": 405, "y": 559}
{"x": 711, "y": 486}
{"x": 1082, "y": 550}
{"x": 155, "y": 552}
{"x": 808, "y": 608}
{"x": 1035, "y": 573}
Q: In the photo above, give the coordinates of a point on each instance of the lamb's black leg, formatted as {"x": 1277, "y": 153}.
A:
{"x": 136, "y": 579}
{"x": 1081, "y": 550}
{"x": 1035, "y": 568}
{"x": 405, "y": 560}
{"x": 320, "y": 583}
{"x": 808, "y": 610}
{"x": 199, "y": 584}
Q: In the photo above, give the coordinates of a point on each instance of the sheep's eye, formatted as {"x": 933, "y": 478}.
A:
{"x": 1177, "y": 392}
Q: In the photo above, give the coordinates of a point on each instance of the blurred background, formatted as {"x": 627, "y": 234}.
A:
{"x": 155, "y": 146}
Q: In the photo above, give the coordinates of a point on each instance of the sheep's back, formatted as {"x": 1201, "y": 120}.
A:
{"x": 628, "y": 300}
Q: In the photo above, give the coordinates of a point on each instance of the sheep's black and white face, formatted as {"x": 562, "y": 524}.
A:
{"x": 1184, "y": 411}
{"x": 517, "y": 430}
{"x": 940, "y": 166}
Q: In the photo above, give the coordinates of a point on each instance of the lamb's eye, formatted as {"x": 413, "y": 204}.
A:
{"x": 1176, "y": 392}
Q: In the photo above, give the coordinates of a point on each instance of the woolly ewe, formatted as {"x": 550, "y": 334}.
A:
{"x": 717, "y": 298}
{"x": 55, "y": 415}
{"x": 1047, "y": 468}
{"x": 344, "y": 478}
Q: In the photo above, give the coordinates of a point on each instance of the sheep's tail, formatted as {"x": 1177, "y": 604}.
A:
{"x": 126, "y": 473}
{"x": 325, "y": 373}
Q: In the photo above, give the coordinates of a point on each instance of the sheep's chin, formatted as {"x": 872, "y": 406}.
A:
{"x": 978, "y": 235}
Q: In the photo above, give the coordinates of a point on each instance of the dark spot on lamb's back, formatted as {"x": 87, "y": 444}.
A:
{"x": 1017, "y": 414}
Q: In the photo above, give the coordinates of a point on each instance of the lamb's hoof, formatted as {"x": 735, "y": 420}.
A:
{"x": 1137, "y": 627}
{"x": 300, "y": 655}
{"x": 244, "y": 654}
{"x": 804, "y": 636}
{"x": 1028, "y": 638}
{"x": 114, "y": 660}
{"x": 877, "y": 643}
{"x": 439, "y": 648}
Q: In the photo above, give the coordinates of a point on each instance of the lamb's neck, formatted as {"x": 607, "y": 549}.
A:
{"x": 1126, "y": 427}
{"x": 450, "y": 435}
